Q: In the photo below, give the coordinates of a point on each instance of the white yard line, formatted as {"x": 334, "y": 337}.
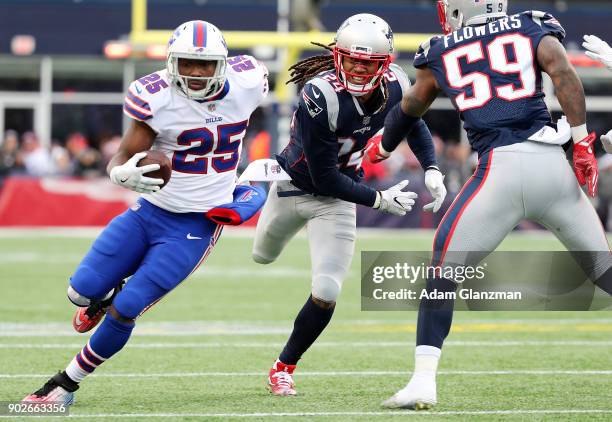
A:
{"x": 406, "y": 413}
{"x": 278, "y": 327}
{"x": 317, "y": 374}
{"x": 322, "y": 344}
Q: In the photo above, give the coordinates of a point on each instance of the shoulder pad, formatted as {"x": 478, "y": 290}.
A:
{"x": 421, "y": 57}
{"x": 547, "y": 22}
{"x": 146, "y": 95}
{"x": 538, "y": 14}
{"x": 321, "y": 102}
{"x": 401, "y": 76}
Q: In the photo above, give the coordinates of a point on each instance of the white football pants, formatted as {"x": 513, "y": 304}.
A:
{"x": 331, "y": 230}
{"x": 532, "y": 181}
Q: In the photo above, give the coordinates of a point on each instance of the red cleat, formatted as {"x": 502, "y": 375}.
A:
{"x": 88, "y": 317}
{"x": 59, "y": 390}
{"x": 280, "y": 379}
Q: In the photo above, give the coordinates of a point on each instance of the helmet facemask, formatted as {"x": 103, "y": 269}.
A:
{"x": 212, "y": 84}
{"x": 444, "y": 21}
{"x": 363, "y": 37}
{"x": 372, "y": 80}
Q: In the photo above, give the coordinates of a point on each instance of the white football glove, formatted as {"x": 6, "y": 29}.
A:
{"x": 434, "y": 181}
{"x": 394, "y": 201}
{"x": 598, "y": 50}
{"x": 606, "y": 140}
{"x": 130, "y": 176}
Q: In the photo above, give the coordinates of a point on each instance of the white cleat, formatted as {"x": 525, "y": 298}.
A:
{"x": 418, "y": 394}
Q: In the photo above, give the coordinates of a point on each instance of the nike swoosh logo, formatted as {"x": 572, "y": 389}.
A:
{"x": 138, "y": 90}
{"x": 315, "y": 93}
{"x": 398, "y": 202}
{"x": 190, "y": 237}
{"x": 124, "y": 180}
{"x": 77, "y": 320}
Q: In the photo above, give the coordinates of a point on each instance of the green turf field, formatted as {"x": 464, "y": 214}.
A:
{"x": 204, "y": 351}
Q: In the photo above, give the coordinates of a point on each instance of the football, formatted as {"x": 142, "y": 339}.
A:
{"x": 165, "y": 167}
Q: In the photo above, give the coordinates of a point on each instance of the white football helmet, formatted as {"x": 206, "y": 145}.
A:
{"x": 198, "y": 40}
{"x": 455, "y": 14}
{"x": 367, "y": 37}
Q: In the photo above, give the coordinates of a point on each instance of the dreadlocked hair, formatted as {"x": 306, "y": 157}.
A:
{"x": 305, "y": 69}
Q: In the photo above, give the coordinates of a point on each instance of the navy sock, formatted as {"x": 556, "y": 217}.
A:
{"x": 108, "y": 339}
{"x": 435, "y": 315}
{"x": 309, "y": 324}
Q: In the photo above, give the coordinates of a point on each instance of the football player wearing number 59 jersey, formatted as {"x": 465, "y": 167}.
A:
{"x": 489, "y": 64}
{"x": 195, "y": 112}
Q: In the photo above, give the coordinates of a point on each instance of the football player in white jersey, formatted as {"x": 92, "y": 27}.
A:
{"x": 599, "y": 50}
{"x": 195, "y": 112}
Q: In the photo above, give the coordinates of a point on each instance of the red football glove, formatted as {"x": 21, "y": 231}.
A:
{"x": 585, "y": 164}
{"x": 375, "y": 153}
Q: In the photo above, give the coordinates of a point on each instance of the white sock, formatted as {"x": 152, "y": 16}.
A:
{"x": 89, "y": 362}
{"x": 426, "y": 361}
{"x": 75, "y": 372}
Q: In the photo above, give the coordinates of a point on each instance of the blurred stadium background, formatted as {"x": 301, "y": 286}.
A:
{"x": 65, "y": 65}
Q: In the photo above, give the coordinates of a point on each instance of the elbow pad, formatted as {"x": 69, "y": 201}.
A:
{"x": 247, "y": 201}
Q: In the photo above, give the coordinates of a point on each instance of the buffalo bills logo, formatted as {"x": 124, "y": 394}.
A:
{"x": 174, "y": 36}
{"x": 247, "y": 196}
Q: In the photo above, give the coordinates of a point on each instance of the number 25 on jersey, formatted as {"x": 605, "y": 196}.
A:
{"x": 219, "y": 150}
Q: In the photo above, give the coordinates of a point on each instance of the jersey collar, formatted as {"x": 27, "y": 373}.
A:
{"x": 220, "y": 95}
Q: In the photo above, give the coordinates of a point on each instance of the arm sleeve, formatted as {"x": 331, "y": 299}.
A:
{"x": 321, "y": 152}
{"x": 421, "y": 144}
{"x": 399, "y": 126}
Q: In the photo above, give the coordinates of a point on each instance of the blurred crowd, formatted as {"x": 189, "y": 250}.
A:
{"x": 76, "y": 156}
{"x": 25, "y": 155}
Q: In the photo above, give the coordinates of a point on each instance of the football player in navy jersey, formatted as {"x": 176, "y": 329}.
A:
{"x": 343, "y": 103}
{"x": 489, "y": 64}
{"x": 599, "y": 50}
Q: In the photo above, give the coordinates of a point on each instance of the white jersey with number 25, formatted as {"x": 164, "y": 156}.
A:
{"x": 202, "y": 139}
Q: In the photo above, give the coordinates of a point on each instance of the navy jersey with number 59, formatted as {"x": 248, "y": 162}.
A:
{"x": 492, "y": 76}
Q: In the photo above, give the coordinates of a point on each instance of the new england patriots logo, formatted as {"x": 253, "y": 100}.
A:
{"x": 313, "y": 108}
{"x": 389, "y": 34}
{"x": 552, "y": 21}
